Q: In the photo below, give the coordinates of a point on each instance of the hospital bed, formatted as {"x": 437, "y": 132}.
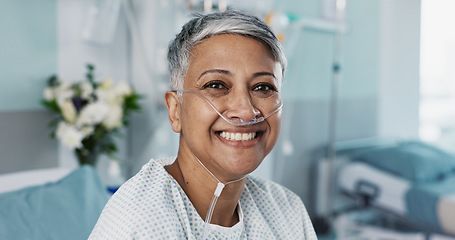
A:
{"x": 54, "y": 203}
{"x": 411, "y": 181}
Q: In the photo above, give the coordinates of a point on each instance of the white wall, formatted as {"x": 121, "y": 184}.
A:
{"x": 150, "y": 134}
{"x": 398, "y": 89}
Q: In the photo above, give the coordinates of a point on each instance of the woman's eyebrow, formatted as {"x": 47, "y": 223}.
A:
{"x": 226, "y": 72}
{"x": 222, "y": 71}
{"x": 259, "y": 74}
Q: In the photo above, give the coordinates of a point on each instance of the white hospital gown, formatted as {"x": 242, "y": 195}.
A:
{"x": 152, "y": 205}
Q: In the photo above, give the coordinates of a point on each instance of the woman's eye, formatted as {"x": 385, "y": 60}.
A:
{"x": 215, "y": 85}
{"x": 263, "y": 88}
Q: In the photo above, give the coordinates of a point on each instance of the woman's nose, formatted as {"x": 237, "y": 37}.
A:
{"x": 240, "y": 106}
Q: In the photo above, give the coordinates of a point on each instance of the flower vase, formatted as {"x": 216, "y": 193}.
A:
{"x": 86, "y": 157}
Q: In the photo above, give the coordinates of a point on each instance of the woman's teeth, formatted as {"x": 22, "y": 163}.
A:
{"x": 238, "y": 136}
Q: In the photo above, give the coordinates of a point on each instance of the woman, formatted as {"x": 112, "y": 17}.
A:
{"x": 226, "y": 73}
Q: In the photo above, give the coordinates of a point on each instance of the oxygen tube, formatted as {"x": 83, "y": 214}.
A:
{"x": 216, "y": 195}
{"x": 239, "y": 123}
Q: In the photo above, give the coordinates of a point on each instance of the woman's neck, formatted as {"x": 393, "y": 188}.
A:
{"x": 199, "y": 185}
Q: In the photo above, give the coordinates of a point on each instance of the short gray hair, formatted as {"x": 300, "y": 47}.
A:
{"x": 202, "y": 27}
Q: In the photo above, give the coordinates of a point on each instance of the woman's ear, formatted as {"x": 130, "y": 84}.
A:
{"x": 173, "y": 107}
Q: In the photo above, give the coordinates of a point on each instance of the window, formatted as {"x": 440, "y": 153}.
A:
{"x": 437, "y": 71}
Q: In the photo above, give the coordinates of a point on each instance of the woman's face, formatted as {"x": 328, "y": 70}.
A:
{"x": 230, "y": 70}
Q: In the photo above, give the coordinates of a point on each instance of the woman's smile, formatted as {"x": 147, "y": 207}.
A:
{"x": 232, "y": 136}
{"x": 239, "y": 138}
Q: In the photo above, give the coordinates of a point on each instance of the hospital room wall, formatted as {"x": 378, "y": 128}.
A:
{"x": 51, "y": 43}
{"x": 307, "y": 90}
{"x": 399, "y": 83}
{"x": 378, "y": 94}
{"x": 28, "y": 53}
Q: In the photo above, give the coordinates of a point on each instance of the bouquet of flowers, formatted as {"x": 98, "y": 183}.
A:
{"x": 89, "y": 114}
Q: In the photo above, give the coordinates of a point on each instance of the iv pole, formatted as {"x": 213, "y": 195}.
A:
{"x": 336, "y": 78}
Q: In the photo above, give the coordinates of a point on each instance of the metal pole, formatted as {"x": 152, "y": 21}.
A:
{"x": 336, "y": 78}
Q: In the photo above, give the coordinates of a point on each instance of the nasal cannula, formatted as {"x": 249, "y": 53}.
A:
{"x": 239, "y": 123}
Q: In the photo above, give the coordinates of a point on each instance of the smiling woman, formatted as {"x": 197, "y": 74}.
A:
{"x": 234, "y": 92}
{"x": 225, "y": 102}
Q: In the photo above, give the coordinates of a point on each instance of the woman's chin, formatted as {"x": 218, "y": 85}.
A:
{"x": 240, "y": 168}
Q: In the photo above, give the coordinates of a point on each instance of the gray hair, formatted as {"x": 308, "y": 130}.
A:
{"x": 202, "y": 27}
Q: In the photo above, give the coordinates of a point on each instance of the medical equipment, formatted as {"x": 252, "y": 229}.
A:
{"x": 340, "y": 11}
{"x": 409, "y": 183}
{"x": 272, "y": 103}
{"x": 219, "y": 188}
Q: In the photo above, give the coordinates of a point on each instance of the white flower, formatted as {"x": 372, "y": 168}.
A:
{"x": 114, "y": 117}
{"x": 108, "y": 96}
{"x": 63, "y": 92}
{"x": 61, "y": 129}
{"x": 86, "y": 89}
{"x": 113, "y": 95}
{"x": 87, "y": 130}
{"x": 108, "y": 83}
{"x": 123, "y": 89}
{"x": 48, "y": 94}
{"x": 68, "y": 111}
{"x": 92, "y": 114}
{"x": 69, "y": 135}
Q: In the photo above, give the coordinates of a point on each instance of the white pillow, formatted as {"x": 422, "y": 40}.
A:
{"x": 17, "y": 180}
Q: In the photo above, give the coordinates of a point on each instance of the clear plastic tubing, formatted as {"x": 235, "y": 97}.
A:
{"x": 239, "y": 123}
{"x": 219, "y": 188}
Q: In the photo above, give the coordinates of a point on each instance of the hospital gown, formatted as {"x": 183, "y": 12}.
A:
{"x": 152, "y": 205}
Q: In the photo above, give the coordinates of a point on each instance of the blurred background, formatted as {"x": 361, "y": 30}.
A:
{"x": 366, "y": 69}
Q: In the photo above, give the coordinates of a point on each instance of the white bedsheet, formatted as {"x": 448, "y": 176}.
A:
{"x": 347, "y": 229}
{"x": 446, "y": 213}
{"x": 392, "y": 189}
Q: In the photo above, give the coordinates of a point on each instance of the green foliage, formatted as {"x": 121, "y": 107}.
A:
{"x": 51, "y": 105}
